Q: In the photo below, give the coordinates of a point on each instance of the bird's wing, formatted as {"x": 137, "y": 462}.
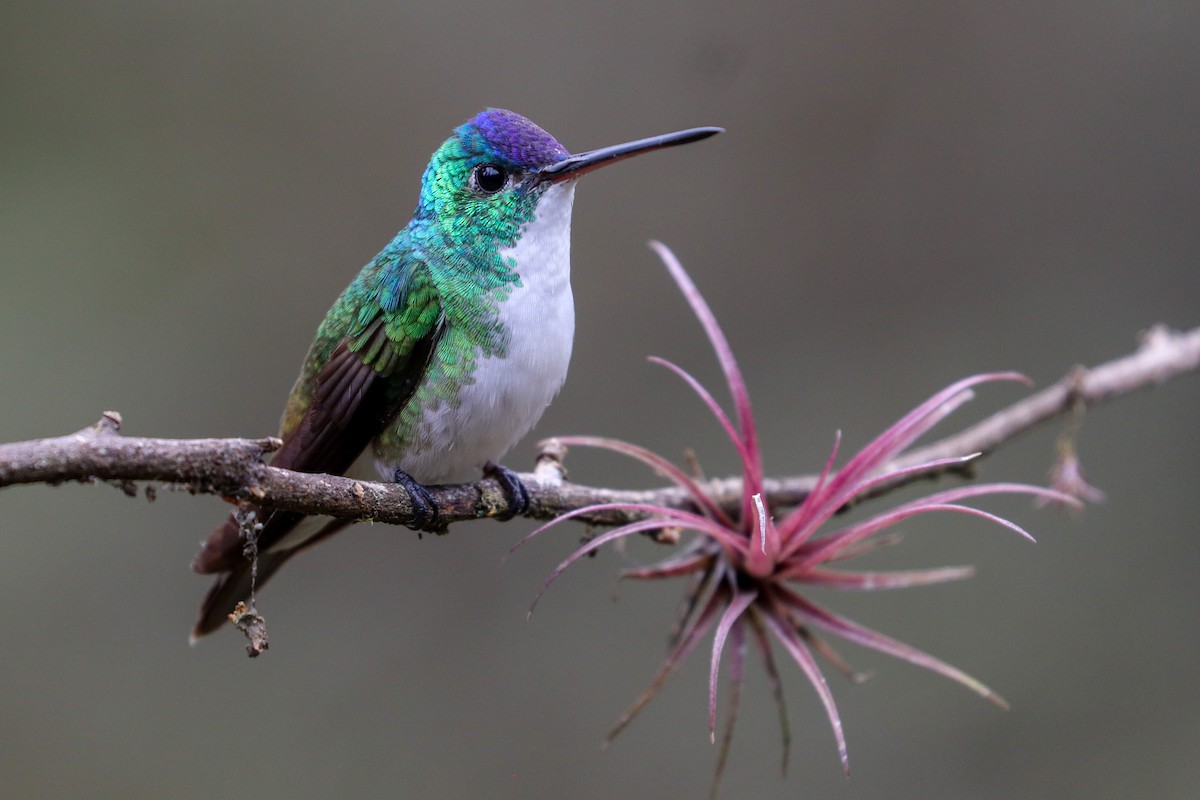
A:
{"x": 337, "y": 409}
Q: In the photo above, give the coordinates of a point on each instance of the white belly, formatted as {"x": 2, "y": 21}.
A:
{"x": 508, "y": 395}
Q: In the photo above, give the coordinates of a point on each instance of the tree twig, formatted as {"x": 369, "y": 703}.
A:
{"x": 234, "y": 468}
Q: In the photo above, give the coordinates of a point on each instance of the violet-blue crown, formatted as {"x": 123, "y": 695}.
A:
{"x": 515, "y": 139}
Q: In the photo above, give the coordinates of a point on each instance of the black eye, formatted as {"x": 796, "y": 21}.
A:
{"x": 488, "y": 178}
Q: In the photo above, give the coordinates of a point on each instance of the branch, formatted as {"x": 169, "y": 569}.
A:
{"x": 234, "y": 468}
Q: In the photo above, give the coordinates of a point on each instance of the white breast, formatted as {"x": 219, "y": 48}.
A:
{"x": 508, "y": 395}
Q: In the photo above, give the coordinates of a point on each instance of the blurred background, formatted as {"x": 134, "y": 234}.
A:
{"x": 906, "y": 194}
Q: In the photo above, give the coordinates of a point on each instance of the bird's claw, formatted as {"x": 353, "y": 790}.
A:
{"x": 514, "y": 490}
{"x": 425, "y": 510}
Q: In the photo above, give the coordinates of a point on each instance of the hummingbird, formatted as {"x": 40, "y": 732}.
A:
{"x": 445, "y": 349}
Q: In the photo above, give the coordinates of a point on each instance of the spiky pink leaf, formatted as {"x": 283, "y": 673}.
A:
{"x": 668, "y": 568}
{"x": 867, "y": 581}
{"x": 752, "y": 462}
{"x": 811, "y": 553}
{"x": 702, "y": 584}
{"x": 740, "y": 602}
{"x": 859, "y": 634}
{"x": 666, "y": 518}
{"x": 737, "y": 660}
{"x": 713, "y": 406}
{"x": 773, "y": 680}
{"x": 825, "y": 548}
{"x": 641, "y": 526}
{"x": 924, "y": 468}
{"x": 892, "y": 441}
{"x": 679, "y": 653}
{"x": 776, "y": 620}
{"x": 869, "y": 546}
{"x": 660, "y": 465}
{"x": 794, "y": 520}
{"x": 976, "y": 490}
{"x": 826, "y": 651}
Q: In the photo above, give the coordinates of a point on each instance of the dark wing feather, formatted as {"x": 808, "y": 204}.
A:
{"x": 351, "y": 404}
{"x": 361, "y": 387}
{"x": 234, "y": 586}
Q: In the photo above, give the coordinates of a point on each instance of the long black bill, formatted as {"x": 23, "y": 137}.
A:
{"x": 583, "y": 163}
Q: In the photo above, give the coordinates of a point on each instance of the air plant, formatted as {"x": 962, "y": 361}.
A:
{"x": 749, "y": 569}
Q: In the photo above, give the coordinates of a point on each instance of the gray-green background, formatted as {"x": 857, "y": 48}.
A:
{"x": 907, "y": 193}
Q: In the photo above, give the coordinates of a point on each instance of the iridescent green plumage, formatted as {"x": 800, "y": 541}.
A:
{"x": 390, "y": 307}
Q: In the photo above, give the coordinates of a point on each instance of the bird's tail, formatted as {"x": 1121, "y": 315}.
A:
{"x": 245, "y": 577}
{"x": 234, "y": 587}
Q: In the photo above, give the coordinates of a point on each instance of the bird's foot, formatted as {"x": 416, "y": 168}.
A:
{"x": 514, "y": 491}
{"x": 425, "y": 510}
